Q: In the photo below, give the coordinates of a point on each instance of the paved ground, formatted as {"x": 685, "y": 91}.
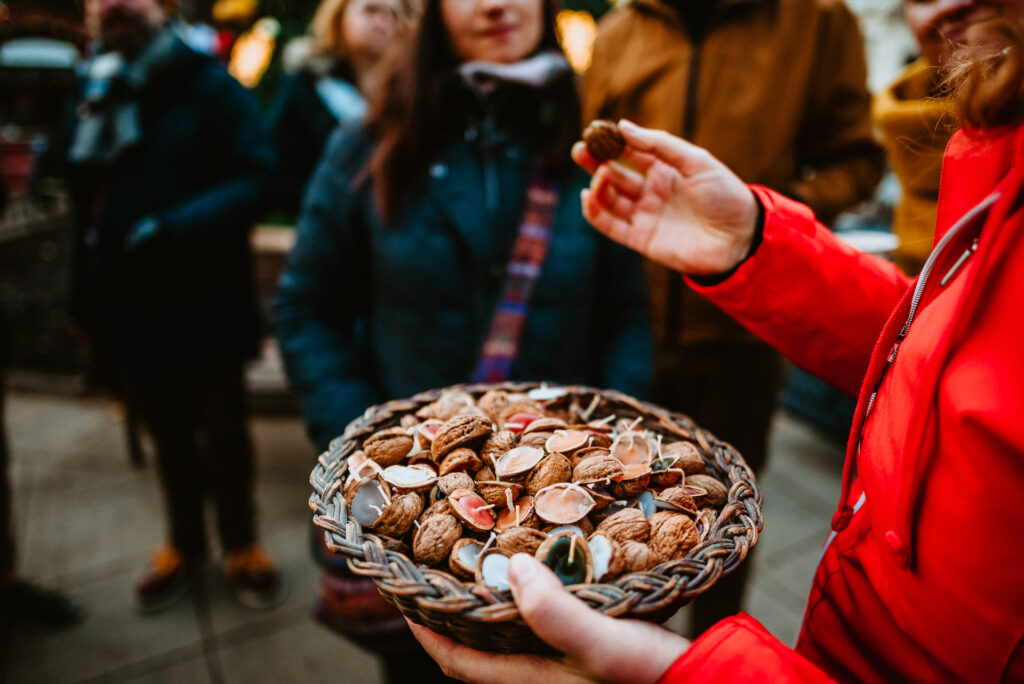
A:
{"x": 87, "y": 520}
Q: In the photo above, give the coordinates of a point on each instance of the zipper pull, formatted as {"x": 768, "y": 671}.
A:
{"x": 959, "y": 262}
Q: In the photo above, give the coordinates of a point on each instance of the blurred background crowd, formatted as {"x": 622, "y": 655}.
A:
{"x": 221, "y": 206}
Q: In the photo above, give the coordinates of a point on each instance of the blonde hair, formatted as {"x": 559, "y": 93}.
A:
{"x": 328, "y": 39}
{"x": 326, "y": 28}
{"x": 987, "y": 84}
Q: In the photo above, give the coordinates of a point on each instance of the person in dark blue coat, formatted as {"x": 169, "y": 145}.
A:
{"x": 167, "y": 165}
{"x": 442, "y": 241}
{"x": 406, "y": 238}
{"x": 330, "y": 71}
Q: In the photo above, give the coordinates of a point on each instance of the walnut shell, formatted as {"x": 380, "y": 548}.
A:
{"x": 600, "y": 439}
{"x": 672, "y": 535}
{"x": 561, "y": 547}
{"x": 607, "y": 555}
{"x": 439, "y": 507}
{"x": 492, "y": 403}
{"x": 423, "y": 435}
{"x": 603, "y": 139}
{"x": 452, "y": 481}
{"x": 516, "y": 465}
{"x": 360, "y": 466}
{"x": 563, "y": 503}
{"x": 433, "y": 540}
{"x": 535, "y": 439}
{"x": 665, "y": 472}
{"x": 596, "y": 469}
{"x": 398, "y": 518}
{"x": 463, "y": 563}
{"x": 515, "y": 407}
{"x": 461, "y": 460}
{"x": 633, "y": 482}
{"x": 471, "y": 509}
{"x": 583, "y": 525}
{"x": 492, "y": 569}
{"x": 460, "y": 431}
{"x": 689, "y": 458}
{"x": 485, "y": 474}
{"x": 546, "y": 424}
{"x": 418, "y": 478}
{"x": 552, "y": 469}
{"x": 588, "y": 452}
{"x": 567, "y": 442}
{"x": 637, "y": 557}
{"x": 676, "y": 500}
{"x": 388, "y": 447}
{"x": 527, "y": 516}
{"x": 629, "y": 524}
{"x": 496, "y": 445}
{"x": 520, "y": 540}
{"x": 395, "y": 545}
{"x": 494, "y": 491}
{"x": 449, "y": 404}
{"x": 717, "y": 493}
{"x": 602, "y": 497}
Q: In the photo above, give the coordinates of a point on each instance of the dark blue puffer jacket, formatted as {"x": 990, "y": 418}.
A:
{"x": 367, "y": 312}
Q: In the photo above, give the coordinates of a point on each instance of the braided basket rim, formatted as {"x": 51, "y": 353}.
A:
{"x": 487, "y": 618}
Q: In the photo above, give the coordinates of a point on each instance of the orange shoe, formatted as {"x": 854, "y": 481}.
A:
{"x": 165, "y": 580}
{"x": 255, "y": 580}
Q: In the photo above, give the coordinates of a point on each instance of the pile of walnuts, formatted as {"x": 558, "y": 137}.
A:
{"x": 466, "y": 482}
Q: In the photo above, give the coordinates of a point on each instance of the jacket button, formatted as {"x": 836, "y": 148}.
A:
{"x": 897, "y": 545}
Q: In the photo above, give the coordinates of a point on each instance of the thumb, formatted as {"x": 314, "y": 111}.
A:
{"x": 555, "y": 615}
{"x": 684, "y": 156}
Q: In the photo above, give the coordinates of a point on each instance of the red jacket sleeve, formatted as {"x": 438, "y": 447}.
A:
{"x": 739, "y": 649}
{"x": 814, "y": 298}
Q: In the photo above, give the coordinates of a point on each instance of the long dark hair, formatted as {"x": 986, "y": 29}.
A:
{"x": 411, "y": 117}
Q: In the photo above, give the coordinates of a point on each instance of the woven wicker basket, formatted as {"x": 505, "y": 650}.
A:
{"x": 488, "y": 619}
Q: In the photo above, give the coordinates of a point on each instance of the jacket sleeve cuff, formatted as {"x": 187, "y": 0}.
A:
{"x": 740, "y": 649}
{"x": 776, "y": 213}
{"x": 755, "y": 242}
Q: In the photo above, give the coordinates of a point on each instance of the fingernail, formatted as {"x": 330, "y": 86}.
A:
{"x": 522, "y": 567}
{"x": 628, "y": 125}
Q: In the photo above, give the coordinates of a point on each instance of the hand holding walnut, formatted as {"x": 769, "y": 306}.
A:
{"x": 597, "y": 648}
{"x": 678, "y": 205}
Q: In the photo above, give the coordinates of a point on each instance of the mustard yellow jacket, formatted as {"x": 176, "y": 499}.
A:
{"x": 915, "y": 127}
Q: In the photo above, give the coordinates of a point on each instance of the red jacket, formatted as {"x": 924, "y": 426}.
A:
{"x": 923, "y": 576}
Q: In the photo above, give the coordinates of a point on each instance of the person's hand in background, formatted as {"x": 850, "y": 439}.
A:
{"x": 671, "y": 201}
{"x": 596, "y": 647}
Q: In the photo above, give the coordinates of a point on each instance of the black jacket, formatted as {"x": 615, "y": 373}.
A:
{"x": 301, "y": 124}
{"x": 202, "y": 170}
